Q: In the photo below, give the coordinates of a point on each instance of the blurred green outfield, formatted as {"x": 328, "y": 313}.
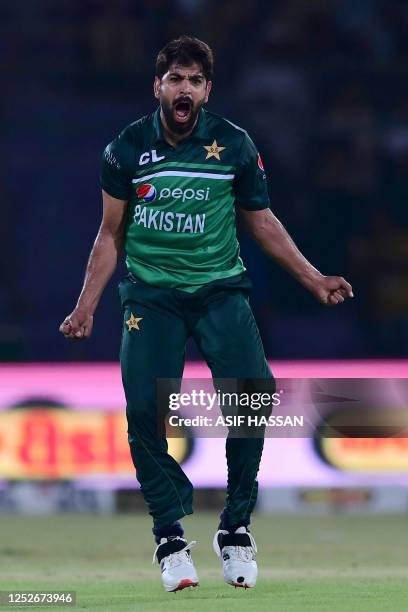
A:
{"x": 310, "y": 563}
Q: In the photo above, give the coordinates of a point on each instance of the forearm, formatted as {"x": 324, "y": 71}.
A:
{"x": 275, "y": 241}
{"x": 101, "y": 265}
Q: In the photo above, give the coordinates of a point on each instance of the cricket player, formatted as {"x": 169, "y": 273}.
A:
{"x": 173, "y": 183}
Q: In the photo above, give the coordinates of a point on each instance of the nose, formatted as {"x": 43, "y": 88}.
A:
{"x": 185, "y": 86}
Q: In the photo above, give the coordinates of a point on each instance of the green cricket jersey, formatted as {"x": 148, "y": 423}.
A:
{"x": 181, "y": 223}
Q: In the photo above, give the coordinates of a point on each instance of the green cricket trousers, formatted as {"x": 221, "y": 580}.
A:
{"x": 219, "y": 318}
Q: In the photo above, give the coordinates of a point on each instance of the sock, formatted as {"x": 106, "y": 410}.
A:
{"x": 175, "y": 529}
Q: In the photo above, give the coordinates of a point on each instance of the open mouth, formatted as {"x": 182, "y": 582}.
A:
{"x": 182, "y": 110}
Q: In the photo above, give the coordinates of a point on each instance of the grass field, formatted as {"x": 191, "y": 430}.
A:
{"x": 324, "y": 564}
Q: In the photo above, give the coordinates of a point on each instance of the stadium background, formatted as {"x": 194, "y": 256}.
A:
{"x": 321, "y": 86}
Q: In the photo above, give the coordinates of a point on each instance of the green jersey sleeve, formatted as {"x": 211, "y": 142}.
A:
{"x": 251, "y": 191}
{"x": 116, "y": 167}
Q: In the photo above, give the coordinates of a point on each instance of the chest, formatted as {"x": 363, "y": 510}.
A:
{"x": 193, "y": 173}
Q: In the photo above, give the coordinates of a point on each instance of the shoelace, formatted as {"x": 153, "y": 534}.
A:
{"x": 243, "y": 553}
{"x": 176, "y": 556}
{"x": 253, "y": 548}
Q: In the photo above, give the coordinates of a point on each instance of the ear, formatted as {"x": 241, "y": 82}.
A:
{"x": 207, "y": 90}
{"x": 156, "y": 87}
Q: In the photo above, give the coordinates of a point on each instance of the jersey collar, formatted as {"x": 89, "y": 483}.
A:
{"x": 199, "y": 132}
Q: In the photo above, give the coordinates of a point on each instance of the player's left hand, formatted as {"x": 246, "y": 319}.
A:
{"x": 331, "y": 290}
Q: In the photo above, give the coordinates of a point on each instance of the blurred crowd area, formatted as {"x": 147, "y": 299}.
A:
{"x": 322, "y": 88}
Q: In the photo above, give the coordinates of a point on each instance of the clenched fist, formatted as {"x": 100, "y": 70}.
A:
{"x": 77, "y": 325}
{"x": 331, "y": 290}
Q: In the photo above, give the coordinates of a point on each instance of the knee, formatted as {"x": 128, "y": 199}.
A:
{"x": 261, "y": 392}
{"x": 143, "y": 418}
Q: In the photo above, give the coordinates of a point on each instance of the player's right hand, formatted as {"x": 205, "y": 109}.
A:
{"x": 77, "y": 325}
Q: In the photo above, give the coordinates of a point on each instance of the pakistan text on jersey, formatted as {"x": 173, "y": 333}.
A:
{"x": 169, "y": 221}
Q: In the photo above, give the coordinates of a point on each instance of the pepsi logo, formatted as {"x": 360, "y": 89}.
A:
{"x": 146, "y": 192}
{"x": 260, "y": 164}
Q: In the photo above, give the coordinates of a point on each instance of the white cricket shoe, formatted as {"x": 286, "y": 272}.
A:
{"x": 237, "y": 553}
{"x": 176, "y": 564}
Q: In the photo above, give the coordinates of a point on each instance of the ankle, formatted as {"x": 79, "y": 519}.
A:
{"x": 167, "y": 531}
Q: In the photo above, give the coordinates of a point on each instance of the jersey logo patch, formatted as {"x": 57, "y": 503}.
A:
{"x": 148, "y": 156}
{"x": 146, "y": 192}
{"x": 213, "y": 150}
{"x": 260, "y": 164}
{"x": 133, "y": 322}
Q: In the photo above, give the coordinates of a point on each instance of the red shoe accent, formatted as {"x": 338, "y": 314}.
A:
{"x": 183, "y": 584}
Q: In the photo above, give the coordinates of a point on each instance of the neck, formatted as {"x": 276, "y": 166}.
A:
{"x": 173, "y": 138}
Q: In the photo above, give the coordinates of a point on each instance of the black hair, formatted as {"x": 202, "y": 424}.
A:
{"x": 185, "y": 50}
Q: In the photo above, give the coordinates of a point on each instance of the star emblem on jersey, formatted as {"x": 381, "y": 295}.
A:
{"x": 133, "y": 322}
{"x": 213, "y": 150}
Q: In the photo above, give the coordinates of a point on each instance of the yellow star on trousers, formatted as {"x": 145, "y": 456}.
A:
{"x": 213, "y": 150}
{"x": 133, "y": 322}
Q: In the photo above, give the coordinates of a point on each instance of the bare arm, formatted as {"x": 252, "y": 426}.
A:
{"x": 272, "y": 237}
{"x": 102, "y": 263}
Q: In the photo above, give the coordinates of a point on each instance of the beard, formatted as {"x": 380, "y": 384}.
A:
{"x": 181, "y": 114}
